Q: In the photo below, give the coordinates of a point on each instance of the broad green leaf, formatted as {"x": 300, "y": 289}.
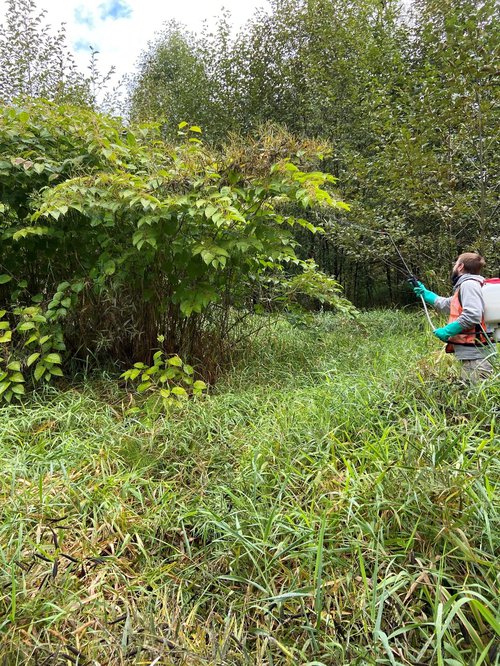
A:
{"x": 52, "y": 358}
{"x": 199, "y": 385}
{"x": 32, "y": 358}
{"x": 5, "y": 278}
{"x": 17, "y": 377}
{"x": 26, "y": 326}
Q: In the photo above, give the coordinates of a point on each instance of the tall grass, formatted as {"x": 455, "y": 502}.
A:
{"x": 333, "y": 501}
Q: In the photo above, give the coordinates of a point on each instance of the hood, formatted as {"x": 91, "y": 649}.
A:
{"x": 469, "y": 276}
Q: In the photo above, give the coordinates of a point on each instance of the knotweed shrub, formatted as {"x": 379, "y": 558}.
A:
{"x": 148, "y": 238}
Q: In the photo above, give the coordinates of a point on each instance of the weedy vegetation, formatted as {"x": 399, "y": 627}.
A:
{"x": 332, "y": 501}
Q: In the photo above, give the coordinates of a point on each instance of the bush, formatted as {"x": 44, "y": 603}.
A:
{"x": 147, "y": 238}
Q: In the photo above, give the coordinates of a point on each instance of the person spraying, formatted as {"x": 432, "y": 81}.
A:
{"x": 465, "y": 332}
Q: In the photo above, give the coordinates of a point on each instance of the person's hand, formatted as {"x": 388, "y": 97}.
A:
{"x": 448, "y": 331}
{"x": 422, "y": 292}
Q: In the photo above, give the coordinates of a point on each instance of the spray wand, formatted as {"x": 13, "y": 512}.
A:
{"x": 412, "y": 280}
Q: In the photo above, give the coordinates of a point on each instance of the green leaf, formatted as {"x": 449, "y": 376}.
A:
{"x": 32, "y": 358}
{"x": 178, "y": 390}
{"x": 15, "y": 365}
{"x": 207, "y": 257}
{"x": 199, "y": 385}
{"x": 56, "y": 370}
{"x": 175, "y": 361}
{"x": 77, "y": 287}
{"x": 144, "y": 386}
{"x": 5, "y": 278}
{"x": 52, "y": 358}
{"x": 109, "y": 267}
{"x": 7, "y": 337}
{"x": 39, "y": 370}
{"x": 18, "y": 388}
{"x": 17, "y": 377}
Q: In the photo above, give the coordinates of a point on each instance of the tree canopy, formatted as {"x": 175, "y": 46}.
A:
{"x": 408, "y": 100}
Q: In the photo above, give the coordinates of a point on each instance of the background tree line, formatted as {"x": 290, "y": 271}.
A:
{"x": 406, "y": 97}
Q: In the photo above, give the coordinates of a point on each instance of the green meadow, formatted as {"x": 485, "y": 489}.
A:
{"x": 333, "y": 500}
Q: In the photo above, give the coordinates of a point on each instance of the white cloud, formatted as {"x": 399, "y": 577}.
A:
{"x": 121, "y": 29}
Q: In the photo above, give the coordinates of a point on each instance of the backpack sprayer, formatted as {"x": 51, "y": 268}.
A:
{"x": 491, "y": 295}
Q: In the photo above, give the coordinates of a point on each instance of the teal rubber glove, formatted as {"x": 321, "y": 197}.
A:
{"x": 448, "y": 331}
{"x": 429, "y": 296}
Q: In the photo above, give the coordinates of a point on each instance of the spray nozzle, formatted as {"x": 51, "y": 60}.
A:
{"x": 411, "y": 279}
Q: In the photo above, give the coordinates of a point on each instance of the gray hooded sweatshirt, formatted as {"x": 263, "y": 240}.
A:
{"x": 473, "y": 309}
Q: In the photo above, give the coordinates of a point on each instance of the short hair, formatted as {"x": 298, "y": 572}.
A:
{"x": 473, "y": 262}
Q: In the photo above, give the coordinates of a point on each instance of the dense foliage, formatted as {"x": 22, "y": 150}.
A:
{"x": 112, "y": 237}
{"x": 409, "y": 102}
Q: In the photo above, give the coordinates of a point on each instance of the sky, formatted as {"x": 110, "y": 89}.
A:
{"x": 121, "y": 29}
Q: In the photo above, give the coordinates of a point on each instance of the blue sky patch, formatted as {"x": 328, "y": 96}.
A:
{"x": 83, "y": 16}
{"x": 115, "y": 9}
{"x": 82, "y": 45}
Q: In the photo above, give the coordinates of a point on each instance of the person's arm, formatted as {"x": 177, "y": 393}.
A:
{"x": 439, "y": 302}
{"x": 442, "y": 304}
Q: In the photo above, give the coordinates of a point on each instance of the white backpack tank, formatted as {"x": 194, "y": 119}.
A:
{"x": 491, "y": 296}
